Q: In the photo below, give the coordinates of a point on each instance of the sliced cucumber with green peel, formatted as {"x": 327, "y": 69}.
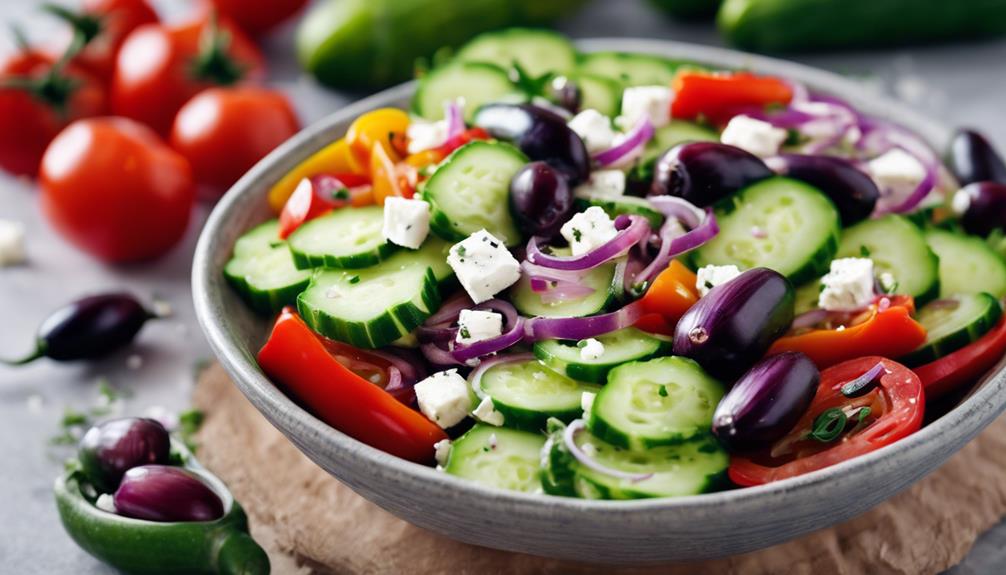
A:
{"x": 663, "y": 401}
{"x": 599, "y": 93}
{"x": 677, "y": 132}
{"x": 601, "y": 279}
{"x": 615, "y": 207}
{"x": 953, "y": 323}
{"x": 777, "y": 223}
{"x": 262, "y": 270}
{"x": 622, "y": 346}
{"x": 470, "y": 191}
{"x": 807, "y": 297}
{"x": 536, "y": 50}
{"x": 498, "y": 457}
{"x": 898, "y": 247}
{"x": 476, "y": 82}
{"x": 631, "y": 69}
{"x": 433, "y": 253}
{"x": 967, "y": 264}
{"x": 348, "y": 238}
{"x": 527, "y": 393}
{"x": 371, "y": 307}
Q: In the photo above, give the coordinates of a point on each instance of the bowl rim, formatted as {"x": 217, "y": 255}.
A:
{"x": 270, "y": 400}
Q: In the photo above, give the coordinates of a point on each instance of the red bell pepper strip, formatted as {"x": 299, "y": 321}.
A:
{"x": 318, "y": 195}
{"x": 718, "y": 96}
{"x": 965, "y": 365}
{"x": 297, "y": 359}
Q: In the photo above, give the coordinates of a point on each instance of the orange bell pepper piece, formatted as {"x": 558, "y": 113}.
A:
{"x": 384, "y": 126}
{"x": 332, "y": 159}
{"x": 717, "y": 96}
{"x": 672, "y": 293}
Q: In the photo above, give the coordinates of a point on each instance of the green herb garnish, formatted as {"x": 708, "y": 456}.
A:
{"x": 864, "y": 251}
{"x": 354, "y": 279}
{"x": 829, "y": 425}
{"x": 662, "y": 392}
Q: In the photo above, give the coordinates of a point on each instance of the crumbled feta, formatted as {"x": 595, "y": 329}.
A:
{"x": 587, "y": 401}
{"x": 960, "y": 202}
{"x": 477, "y": 325}
{"x": 653, "y": 102}
{"x": 106, "y": 503}
{"x": 896, "y": 169}
{"x": 443, "y": 397}
{"x": 888, "y": 282}
{"x": 11, "y": 243}
{"x": 760, "y": 138}
{"x": 591, "y": 349}
{"x": 483, "y": 265}
{"x": 443, "y": 451}
{"x": 423, "y": 135}
{"x": 588, "y": 229}
{"x": 602, "y": 183}
{"x": 711, "y": 276}
{"x": 594, "y": 128}
{"x": 848, "y": 286}
{"x": 406, "y": 222}
{"x": 486, "y": 412}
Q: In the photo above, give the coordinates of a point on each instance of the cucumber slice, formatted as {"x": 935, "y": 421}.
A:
{"x": 433, "y": 253}
{"x": 371, "y": 307}
{"x": 631, "y": 69}
{"x": 615, "y": 207}
{"x": 967, "y": 264}
{"x": 807, "y": 297}
{"x": 528, "y": 393}
{"x": 537, "y": 51}
{"x": 800, "y": 229}
{"x": 498, "y": 457}
{"x": 601, "y": 279}
{"x": 347, "y": 238}
{"x": 662, "y": 401}
{"x": 262, "y": 270}
{"x": 898, "y": 247}
{"x": 677, "y": 132}
{"x": 599, "y": 93}
{"x": 953, "y": 323}
{"x": 476, "y": 82}
{"x": 622, "y": 346}
{"x": 470, "y": 191}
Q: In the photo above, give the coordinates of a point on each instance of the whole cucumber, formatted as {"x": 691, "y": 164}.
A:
{"x": 366, "y": 44}
{"x": 688, "y": 9}
{"x": 794, "y": 25}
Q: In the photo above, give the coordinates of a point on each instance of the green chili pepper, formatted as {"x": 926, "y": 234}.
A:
{"x": 222, "y": 546}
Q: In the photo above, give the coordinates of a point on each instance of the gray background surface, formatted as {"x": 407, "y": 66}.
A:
{"x": 962, "y": 84}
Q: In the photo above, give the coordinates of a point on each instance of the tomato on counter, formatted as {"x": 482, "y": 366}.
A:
{"x": 258, "y": 17}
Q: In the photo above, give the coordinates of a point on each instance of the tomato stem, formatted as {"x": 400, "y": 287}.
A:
{"x": 20, "y": 38}
{"x": 213, "y": 63}
{"x": 87, "y": 26}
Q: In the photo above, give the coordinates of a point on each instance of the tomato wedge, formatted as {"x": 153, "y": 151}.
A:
{"x": 896, "y": 404}
{"x": 311, "y": 369}
{"x": 965, "y": 365}
{"x": 318, "y": 195}
{"x": 718, "y": 96}
{"x": 670, "y": 296}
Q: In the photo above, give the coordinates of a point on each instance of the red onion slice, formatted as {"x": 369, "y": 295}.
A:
{"x": 569, "y": 439}
{"x": 672, "y": 245}
{"x": 453, "y": 113}
{"x": 475, "y": 379}
{"x": 513, "y": 335}
{"x": 437, "y": 355}
{"x": 861, "y": 384}
{"x": 634, "y": 142}
{"x": 810, "y": 318}
{"x": 578, "y": 328}
{"x": 637, "y": 228}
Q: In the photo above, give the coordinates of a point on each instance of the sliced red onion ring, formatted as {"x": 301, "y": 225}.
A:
{"x": 634, "y": 142}
{"x": 861, "y": 384}
{"x": 671, "y": 244}
{"x": 638, "y": 227}
{"x": 514, "y": 334}
{"x": 810, "y": 318}
{"x": 538, "y": 328}
{"x": 437, "y": 355}
{"x": 453, "y": 113}
{"x": 475, "y": 379}
{"x": 569, "y": 439}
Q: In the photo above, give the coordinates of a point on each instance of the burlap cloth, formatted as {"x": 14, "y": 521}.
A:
{"x": 310, "y": 523}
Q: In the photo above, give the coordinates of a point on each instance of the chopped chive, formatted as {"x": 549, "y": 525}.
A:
{"x": 829, "y": 425}
{"x": 354, "y": 280}
{"x": 662, "y": 392}
{"x": 864, "y": 251}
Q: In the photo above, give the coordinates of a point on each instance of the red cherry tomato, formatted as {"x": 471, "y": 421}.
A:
{"x": 115, "y": 190}
{"x": 223, "y": 132}
{"x": 33, "y": 114}
{"x": 318, "y": 195}
{"x": 896, "y": 405}
{"x": 257, "y": 17}
{"x": 159, "y": 68}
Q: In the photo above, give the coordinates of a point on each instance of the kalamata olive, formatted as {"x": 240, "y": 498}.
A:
{"x": 111, "y": 448}
{"x": 981, "y": 207}
{"x": 565, "y": 93}
{"x": 705, "y": 172}
{"x": 540, "y": 199}
{"x": 853, "y": 192}
{"x": 973, "y": 159}
{"x": 89, "y": 328}
{"x": 166, "y": 493}
{"x": 766, "y": 401}
{"x": 734, "y": 324}
{"x": 539, "y": 133}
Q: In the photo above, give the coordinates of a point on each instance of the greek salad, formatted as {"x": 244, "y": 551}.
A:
{"x": 612, "y": 275}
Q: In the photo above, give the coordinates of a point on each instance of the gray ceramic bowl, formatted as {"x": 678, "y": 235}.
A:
{"x": 644, "y": 531}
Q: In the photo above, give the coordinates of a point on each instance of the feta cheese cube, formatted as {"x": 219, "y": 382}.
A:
{"x": 760, "y": 138}
{"x": 483, "y": 265}
{"x": 848, "y": 285}
{"x": 443, "y": 451}
{"x": 602, "y": 183}
{"x": 653, "y": 102}
{"x": 711, "y": 276}
{"x": 11, "y": 243}
{"x": 594, "y": 128}
{"x": 106, "y": 503}
{"x": 423, "y": 135}
{"x": 486, "y": 412}
{"x": 406, "y": 222}
{"x": 590, "y": 349}
{"x": 476, "y": 325}
{"x": 443, "y": 397}
{"x": 587, "y": 401}
{"x": 896, "y": 169}
{"x": 588, "y": 229}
